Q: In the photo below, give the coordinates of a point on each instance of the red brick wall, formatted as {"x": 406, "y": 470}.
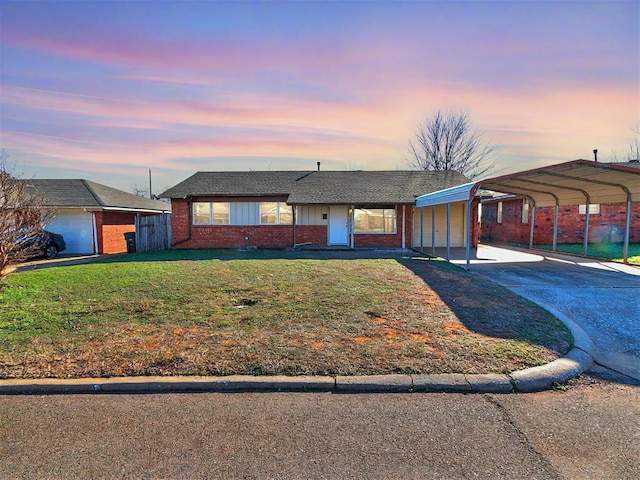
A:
{"x": 111, "y": 227}
{"x": 236, "y": 236}
{"x": 180, "y": 219}
{"x": 607, "y": 226}
{"x": 313, "y": 234}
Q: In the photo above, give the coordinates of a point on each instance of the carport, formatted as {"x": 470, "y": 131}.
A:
{"x": 572, "y": 183}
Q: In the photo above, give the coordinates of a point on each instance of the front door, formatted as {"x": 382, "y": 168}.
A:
{"x": 338, "y": 225}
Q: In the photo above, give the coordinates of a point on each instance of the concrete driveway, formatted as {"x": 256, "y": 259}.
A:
{"x": 602, "y": 298}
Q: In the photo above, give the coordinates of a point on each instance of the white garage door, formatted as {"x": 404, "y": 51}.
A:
{"x": 77, "y": 230}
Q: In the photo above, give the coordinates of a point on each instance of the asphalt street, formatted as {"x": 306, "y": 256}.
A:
{"x": 592, "y": 430}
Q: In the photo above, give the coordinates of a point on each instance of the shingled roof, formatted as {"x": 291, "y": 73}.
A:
{"x": 78, "y": 193}
{"x": 323, "y": 187}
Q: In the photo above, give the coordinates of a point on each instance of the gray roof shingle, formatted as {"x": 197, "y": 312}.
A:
{"x": 69, "y": 193}
{"x": 323, "y": 187}
{"x": 233, "y": 184}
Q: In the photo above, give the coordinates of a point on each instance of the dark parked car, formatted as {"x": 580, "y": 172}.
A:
{"x": 44, "y": 244}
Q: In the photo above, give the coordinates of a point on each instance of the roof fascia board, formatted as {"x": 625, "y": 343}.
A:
{"x": 459, "y": 193}
{"x": 140, "y": 210}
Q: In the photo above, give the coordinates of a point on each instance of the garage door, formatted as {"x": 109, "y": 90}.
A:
{"x": 77, "y": 230}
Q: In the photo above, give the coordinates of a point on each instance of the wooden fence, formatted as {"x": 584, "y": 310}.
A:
{"x": 153, "y": 232}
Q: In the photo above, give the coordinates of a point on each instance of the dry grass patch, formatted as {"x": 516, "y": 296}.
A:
{"x": 263, "y": 315}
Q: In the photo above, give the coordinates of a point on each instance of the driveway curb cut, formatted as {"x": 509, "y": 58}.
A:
{"x": 530, "y": 380}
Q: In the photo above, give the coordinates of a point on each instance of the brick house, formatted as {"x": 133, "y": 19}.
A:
{"x": 92, "y": 217}
{"x": 507, "y": 219}
{"x": 279, "y": 209}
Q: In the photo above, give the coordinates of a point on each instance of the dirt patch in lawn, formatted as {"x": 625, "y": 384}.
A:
{"x": 265, "y": 315}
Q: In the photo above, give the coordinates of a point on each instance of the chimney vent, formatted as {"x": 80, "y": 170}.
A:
{"x": 318, "y": 163}
{"x": 595, "y": 154}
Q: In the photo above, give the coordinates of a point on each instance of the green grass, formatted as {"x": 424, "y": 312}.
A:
{"x": 221, "y": 312}
{"x": 608, "y": 251}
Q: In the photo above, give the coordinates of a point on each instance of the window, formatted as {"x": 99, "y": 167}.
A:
{"x": 499, "y": 216}
{"x": 375, "y": 220}
{"x": 594, "y": 208}
{"x": 276, "y": 213}
{"x": 525, "y": 211}
{"x": 211, "y": 213}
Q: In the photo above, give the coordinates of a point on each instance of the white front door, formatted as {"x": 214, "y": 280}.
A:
{"x": 338, "y": 225}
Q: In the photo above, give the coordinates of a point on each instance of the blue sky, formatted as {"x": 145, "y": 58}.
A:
{"x": 106, "y": 90}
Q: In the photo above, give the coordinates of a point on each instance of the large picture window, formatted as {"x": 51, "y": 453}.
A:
{"x": 276, "y": 213}
{"x": 375, "y": 220}
{"x": 211, "y": 213}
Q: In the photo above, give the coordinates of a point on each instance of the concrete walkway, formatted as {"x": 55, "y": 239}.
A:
{"x": 602, "y": 298}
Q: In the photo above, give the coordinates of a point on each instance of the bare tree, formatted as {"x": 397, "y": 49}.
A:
{"x": 22, "y": 216}
{"x": 633, "y": 152}
{"x": 634, "y": 145}
{"x": 447, "y": 141}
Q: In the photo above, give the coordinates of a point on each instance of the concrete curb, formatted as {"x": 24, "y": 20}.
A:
{"x": 556, "y": 372}
{"x": 529, "y": 380}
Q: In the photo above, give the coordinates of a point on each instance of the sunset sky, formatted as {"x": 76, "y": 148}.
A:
{"x": 105, "y": 90}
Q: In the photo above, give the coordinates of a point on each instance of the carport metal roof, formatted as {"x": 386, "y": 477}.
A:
{"x": 571, "y": 183}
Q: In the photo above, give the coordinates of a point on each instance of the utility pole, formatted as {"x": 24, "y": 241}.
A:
{"x": 150, "y": 194}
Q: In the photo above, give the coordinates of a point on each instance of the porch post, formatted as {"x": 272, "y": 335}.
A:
{"x": 532, "y": 226}
{"x": 404, "y": 222}
{"x": 293, "y": 211}
{"x": 421, "y": 230}
{"x": 352, "y": 240}
{"x": 433, "y": 230}
{"x": 448, "y": 232}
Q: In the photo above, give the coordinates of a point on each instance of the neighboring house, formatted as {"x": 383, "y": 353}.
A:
{"x": 507, "y": 219}
{"x": 277, "y": 209}
{"x": 93, "y": 218}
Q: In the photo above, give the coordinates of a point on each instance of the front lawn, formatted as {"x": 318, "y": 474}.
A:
{"x": 607, "y": 251}
{"x": 219, "y": 313}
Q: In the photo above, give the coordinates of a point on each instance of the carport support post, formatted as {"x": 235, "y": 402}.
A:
{"x": 532, "y": 224}
{"x": 625, "y": 248}
{"x": 555, "y": 227}
{"x": 448, "y": 232}
{"x": 468, "y": 252}
{"x": 586, "y": 229}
